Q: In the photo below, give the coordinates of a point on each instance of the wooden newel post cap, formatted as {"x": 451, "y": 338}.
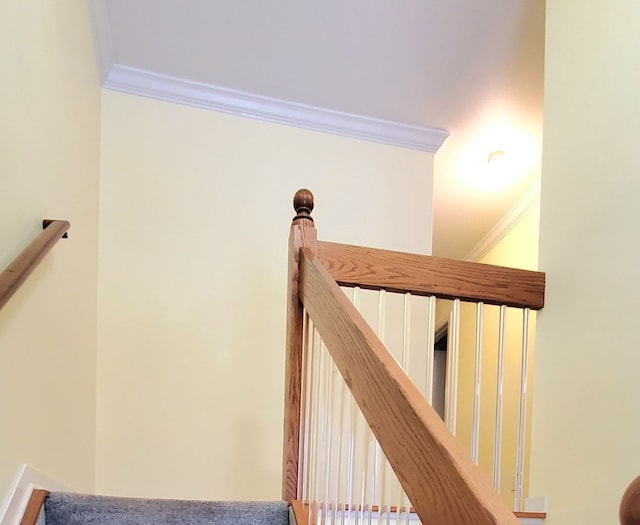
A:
{"x": 630, "y": 504}
{"x": 303, "y": 204}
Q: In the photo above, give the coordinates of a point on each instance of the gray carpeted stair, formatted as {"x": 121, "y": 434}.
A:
{"x": 63, "y": 508}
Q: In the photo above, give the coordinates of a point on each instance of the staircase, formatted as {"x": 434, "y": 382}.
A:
{"x": 437, "y": 479}
{"x": 63, "y": 508}
{"x": 67, "y": 508}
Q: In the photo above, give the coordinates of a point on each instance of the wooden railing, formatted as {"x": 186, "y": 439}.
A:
{"x": 630, "y": 504}
{"x": 433, "y": 468}
{"x": 34, "y": 507}
{"x": 421, "y": 275}
{"x": 19, "y": 270}
{"x": 443, "y": 484}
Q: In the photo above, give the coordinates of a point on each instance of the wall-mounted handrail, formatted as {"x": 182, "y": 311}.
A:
{"x": 19, "y": 270}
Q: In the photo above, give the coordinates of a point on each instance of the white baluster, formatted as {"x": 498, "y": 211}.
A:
{"x": 406, "y": 333}
{"x": 363, "y": 513}
{"x": 403, "y": 500}
{"x": 316, "y": 421}
{"x": 522, "y": 412}
{"x": 322, "y": 433}
{"x": 338, "y": 499}
{"x": 328, "y": 438}
{"x": 477, "y": 386}
{"x": 305, "y": 436}
{"x": 315, "y": 425}
{"x": 380, "y": 467}
{"x": 385, "y": 496}
{"x": 368, "y": 474}
{"x": 431, "y": 334}
{"x": 497, "y": 437}
{"x": 451, "y": 398}
{"x": 351, "y": 452}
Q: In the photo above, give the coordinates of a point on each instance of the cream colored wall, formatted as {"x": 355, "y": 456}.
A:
{"x": 517, "y": 249}
{"x": 49, "y": 161}
{"x": 195, "y": 209}
{"x": 586, "y": 427}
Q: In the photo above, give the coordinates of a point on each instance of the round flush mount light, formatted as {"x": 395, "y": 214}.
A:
{"x": 497, "y": 159}
{"x": 497, "y": 156}
{"x": 498, "y": 169}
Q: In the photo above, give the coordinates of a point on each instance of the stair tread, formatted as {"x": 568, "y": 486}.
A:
{"x": 75, "y": 509}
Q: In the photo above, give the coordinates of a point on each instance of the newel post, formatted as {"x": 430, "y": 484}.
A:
{"x": 630, "y": 504}
{"x": 303, "y": 234}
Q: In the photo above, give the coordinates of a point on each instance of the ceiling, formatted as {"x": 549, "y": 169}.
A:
{"x": 460, "y": 66}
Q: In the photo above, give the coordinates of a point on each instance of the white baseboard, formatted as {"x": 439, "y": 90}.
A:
{"x": 536, "y": 504}
{"x": 16, "y": 500}
{"x": 531, "y": 521}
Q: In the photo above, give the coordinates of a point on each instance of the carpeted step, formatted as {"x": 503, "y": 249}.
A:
{"x": 63, "y": 508}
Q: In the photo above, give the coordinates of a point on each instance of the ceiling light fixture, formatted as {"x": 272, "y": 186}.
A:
{"x": 498, "y": 168}
{"x": 510, "y": 156}
{"x": 496, "y": 156}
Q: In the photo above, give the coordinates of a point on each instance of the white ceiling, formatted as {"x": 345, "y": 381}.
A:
{"x": 461, "y": 66}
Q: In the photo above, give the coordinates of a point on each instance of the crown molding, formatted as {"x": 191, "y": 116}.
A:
{"x": 509, "y": 220}
{"x": 145, "y": 83}
{"x": 101, "y": 36}
{"x": 215, "y": 98}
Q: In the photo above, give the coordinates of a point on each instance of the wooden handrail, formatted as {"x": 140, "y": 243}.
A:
{"x": 630, "y": 504}
{"x": 17, "y": 272}
{"x": 300, "y": 512}
{"x": 443, "y": 484}
{"x": 426, "y": 275}
{"x": 36, "y": 501}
